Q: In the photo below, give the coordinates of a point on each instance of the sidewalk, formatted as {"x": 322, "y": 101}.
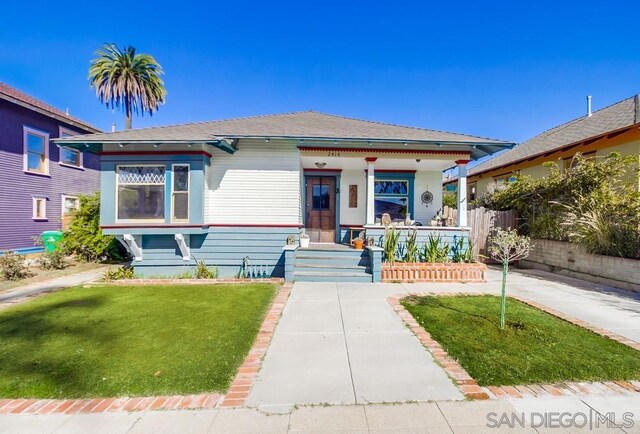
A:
{"x": 441, "y": 417}
{"x": 18, "y": 294}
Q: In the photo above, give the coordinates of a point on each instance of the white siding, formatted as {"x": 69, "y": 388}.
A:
{"x": 431, "y": 181}
{"x": 259, "y": 184}
{"x": 353, "y": 216}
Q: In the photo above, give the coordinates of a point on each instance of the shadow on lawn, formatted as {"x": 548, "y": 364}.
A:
{"x": 42, "y": 344}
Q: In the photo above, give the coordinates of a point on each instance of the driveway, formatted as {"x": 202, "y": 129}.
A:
{"x": 342, "y": 343}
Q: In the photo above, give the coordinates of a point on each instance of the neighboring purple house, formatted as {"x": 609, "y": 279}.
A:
{"x": 39, "y": 182}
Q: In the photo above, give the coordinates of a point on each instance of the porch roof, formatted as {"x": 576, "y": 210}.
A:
{"x": 305, "y": 127}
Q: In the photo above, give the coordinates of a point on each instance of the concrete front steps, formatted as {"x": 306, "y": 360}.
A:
{"x": 328, "y": 263}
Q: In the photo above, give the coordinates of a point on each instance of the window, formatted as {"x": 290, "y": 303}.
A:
{"x": 68, "y": 156}
{"x": 320, "y": 197}
{"x": 140, "y": 191}
{"x": 36, "y": 151}
{"x": 472, "y": 192}
{"x": 391, "y": 197}
{"x": 180, "y": 194}
{"x": 505, "y": 179}
{"x": 69, "y": 204}
{"x": 39, "y": 208}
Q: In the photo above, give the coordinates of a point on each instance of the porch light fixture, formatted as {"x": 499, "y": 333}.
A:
{"x": 267, "y": 140}
{"x": 155, "y": 145}
{"x": 417, "y": 160}
{"x": 121, "y": 145}
{"x": 369, "y": 142}
{"x": 320, "y": 164}
{"x": 404, "y": 143}
{"x": 439, "y": 145}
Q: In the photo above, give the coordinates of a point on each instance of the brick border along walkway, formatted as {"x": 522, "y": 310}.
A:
{"x": 470, "y": 387}
{"x": 236, "y": 396}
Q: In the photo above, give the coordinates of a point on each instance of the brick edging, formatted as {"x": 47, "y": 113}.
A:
{"x": 244, "y": 380}
{"x": 470, "y": 388}
{"x": 235, "y": 396}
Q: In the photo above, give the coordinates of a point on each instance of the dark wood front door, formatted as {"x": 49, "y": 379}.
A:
{"x": 321, "y": 209}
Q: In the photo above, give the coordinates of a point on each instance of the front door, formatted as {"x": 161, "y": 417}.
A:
{"x": 321, "y": 209}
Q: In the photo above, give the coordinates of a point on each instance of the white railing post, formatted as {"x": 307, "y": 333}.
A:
{"x": 462, "y": 193}
{"x": 371, "y": 204}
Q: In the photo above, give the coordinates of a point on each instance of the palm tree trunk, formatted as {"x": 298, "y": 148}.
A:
{"x": 127, "y": 109}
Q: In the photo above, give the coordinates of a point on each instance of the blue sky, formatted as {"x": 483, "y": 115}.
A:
{"x": 506, "y": 70}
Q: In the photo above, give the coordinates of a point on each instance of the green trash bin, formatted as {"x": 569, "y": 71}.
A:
{"x": 50, "y": 239}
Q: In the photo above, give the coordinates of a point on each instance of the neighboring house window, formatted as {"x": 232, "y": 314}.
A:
{"x": 69, "y": 156}
{"x": 391, "y": 197}
{"x": 505, "y": 179}
{"x": 140, "y": 192}
{"x": 39, "y": 208}
{"x": 472, "y": 191}
{"x": 571, "y": 162}
{"x": 180, "y": 193}
{"x": 36, "y": 151}
{"x": 69, "y": 204}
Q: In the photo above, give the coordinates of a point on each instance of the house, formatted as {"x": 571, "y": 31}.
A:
{"x": 615, "y": 128}
{"x": 235, "y": 192}
{"x": 40, "y": 182}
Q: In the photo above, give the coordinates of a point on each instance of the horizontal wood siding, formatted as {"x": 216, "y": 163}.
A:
{"x": 259, "y": 184}
{"x": 223, "y": 248}
{"x": 17, "y": 228}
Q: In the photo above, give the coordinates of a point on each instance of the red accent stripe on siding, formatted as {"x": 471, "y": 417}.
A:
{"x": 322, "y": 170}
{"x": 206, "y": 154}
{"x": 389, "y": 151}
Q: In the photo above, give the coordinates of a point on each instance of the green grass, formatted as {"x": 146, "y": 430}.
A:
{"x": 534, "y": 347}
{"x": 129, "y": 341}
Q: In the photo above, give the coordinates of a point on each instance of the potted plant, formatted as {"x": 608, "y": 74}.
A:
{"x": 358, "y": 243}
{"x": 304, "y": 240}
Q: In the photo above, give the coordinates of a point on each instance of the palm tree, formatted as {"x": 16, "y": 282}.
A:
{"x": 126, "y": 80}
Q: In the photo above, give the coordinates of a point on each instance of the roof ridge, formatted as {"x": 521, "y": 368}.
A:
{"x": 406, "y": 126}
{"x": 7, "y": 90}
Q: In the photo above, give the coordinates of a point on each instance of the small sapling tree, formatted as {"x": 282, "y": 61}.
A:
{"x": 506, "y": 246}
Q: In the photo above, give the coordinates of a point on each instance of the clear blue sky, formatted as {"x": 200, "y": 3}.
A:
{"x": 507, "y": 70}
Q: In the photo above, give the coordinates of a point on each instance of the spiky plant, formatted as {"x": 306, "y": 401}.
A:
{"x": 127, "y": 81}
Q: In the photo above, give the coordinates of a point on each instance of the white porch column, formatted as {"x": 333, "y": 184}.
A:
{"x": 462, "y": 193}
{"x": 371, "y": 205}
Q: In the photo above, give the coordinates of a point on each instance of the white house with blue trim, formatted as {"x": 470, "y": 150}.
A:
{"x": 239, "y": 193}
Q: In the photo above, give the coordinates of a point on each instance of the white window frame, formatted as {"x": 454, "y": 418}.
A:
{"x": 64, "y": 198}
{"x": 34, "y": 201}
{"x": 61, "y": 132}
{"x": 25, "y": 154}
{"x": 188, "y": 192}
{"x": 117, "y": 185}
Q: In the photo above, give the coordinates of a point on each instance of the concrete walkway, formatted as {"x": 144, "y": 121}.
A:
{"x": 342, "y": 343}
{"x": 540, "y": 416}
{"x": 19, "y": 293}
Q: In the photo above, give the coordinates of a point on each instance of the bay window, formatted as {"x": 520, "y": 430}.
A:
{"x": 140, "y": 192}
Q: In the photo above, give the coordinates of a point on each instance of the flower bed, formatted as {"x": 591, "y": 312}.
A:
{"x": 433, "y": 272}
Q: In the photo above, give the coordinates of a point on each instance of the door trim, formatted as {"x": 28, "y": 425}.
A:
{"x": 303, "y": 192}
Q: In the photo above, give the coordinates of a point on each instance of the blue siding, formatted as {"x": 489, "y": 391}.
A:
{"x": 17, "y": 228}
{"x": 222, "y": 247}
{"x": 447, "y": 235}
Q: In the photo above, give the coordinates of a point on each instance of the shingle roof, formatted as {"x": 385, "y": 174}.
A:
{"x": 620, "y": 115}
{"x": 14, "y": 95}
{"x": 308, "y": 124}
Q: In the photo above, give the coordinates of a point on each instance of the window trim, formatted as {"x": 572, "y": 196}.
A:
{"x": 68, "y": 196}
{"x": 117, "y": 185}
{"x": 62, "y": 130}
{"x": 26, "y": 130}
{"x": 34, "y": 201}
{"x": 188, "y": 192}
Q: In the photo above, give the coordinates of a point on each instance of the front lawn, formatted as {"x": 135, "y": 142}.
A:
{"x": 534, "y": 347}
{"x": 129, "y": 341}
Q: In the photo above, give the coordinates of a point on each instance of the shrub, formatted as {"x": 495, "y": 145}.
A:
{"x": 204, "y": 272}
{"x": 120, "y": 273}
{"x": 84, "y": 237}
{"x": 450, "y": 199}
{"x": 411, "y": 254}
{"x": 594, "y": 203}
{"x": 13, "y": 266}
{"x": 55, "y": 260}
{"x": 461, "y": 253}
{"x": 434, "y": 250}
{"x": 391, "y": 240}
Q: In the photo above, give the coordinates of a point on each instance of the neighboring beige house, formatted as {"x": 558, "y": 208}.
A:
{"x": 615, "y": 128}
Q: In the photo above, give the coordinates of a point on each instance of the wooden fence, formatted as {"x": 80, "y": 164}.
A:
{"x": 482, "y": 221}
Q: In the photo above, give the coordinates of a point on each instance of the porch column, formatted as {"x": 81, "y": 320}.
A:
{"x": 462, "y": 193}
{"x": 371, "y": 204}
